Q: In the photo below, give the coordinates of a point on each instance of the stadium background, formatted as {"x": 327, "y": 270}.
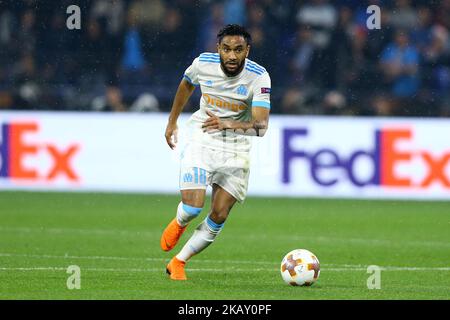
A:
{"x": 356, "y": 113}
{"x": 320, "y": 54}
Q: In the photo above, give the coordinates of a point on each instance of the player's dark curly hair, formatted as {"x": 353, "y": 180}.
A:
{"x": 234, "y": 30}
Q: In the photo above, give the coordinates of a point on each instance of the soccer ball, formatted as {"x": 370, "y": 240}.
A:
{"x": 300, "y": 267}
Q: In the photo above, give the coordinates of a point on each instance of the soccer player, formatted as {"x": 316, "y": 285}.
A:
{"x": 234, "y": 106}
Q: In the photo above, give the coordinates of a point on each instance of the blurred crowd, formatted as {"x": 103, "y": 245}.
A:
{"x": 129, "y": 55}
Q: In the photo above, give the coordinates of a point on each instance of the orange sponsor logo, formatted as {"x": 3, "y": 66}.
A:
{"x": 219, "y": 103}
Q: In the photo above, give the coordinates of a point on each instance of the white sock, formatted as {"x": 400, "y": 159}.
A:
{"x": 203, "y": 236}
{"x": 186, "y": 213}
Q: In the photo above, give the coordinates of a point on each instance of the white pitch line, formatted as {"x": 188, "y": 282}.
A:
{"x": 217, "y": 270}
{"x": 48, "y": 256}
{"x": 251, "y": 262}
{"x": 131, "y": 269}
{"x": 118, "y": 232}
{"x": 328, "y": 267}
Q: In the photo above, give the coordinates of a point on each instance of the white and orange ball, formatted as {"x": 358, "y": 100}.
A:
{"x": 300, "y": 267}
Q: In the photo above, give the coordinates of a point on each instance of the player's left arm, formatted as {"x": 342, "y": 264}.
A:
{"x": 257, "y": 126}
{"x": 259, "y": 122}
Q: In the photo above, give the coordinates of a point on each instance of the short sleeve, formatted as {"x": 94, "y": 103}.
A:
{"x": 261, "y": 91}
{"x": 191, "y": 73}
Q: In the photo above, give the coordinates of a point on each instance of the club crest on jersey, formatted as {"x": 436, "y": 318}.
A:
{"x": 208, "y": 83}
{"x": 242, "y": 90}
{"x": 187, "y": 177}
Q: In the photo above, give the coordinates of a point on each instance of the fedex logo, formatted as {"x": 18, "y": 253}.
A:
{"x": 384, "y": 156}
{"x": 14, "y": 151}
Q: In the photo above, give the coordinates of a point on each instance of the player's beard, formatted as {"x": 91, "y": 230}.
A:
{"x": 231, "y": 73}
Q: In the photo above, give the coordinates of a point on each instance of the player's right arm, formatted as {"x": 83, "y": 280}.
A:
{"x": 184, "y": 92}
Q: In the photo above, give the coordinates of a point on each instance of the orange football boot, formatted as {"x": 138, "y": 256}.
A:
{"x": 175, "y": 269}
{"x": 171, "y": 235}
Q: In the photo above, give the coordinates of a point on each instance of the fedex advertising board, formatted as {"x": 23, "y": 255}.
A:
{"x": 86, "y": 151}
{"x": 359, "y": 157}
{"x": 299, "y": 156}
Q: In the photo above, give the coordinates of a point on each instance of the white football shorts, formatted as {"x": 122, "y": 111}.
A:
{"x": 202, "y": 166}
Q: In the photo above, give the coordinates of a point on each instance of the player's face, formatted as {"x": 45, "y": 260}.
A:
{"x": 233, "y": 50}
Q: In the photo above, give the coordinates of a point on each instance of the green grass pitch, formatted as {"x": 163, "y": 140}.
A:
{"x": 114, "y": 239}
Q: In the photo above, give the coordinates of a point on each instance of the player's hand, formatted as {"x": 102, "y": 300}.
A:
{"x": 171, "y": 135}
{"x": 214, "y": 123}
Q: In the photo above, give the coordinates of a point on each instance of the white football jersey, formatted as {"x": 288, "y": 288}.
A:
{"x": 226, "y": 97}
